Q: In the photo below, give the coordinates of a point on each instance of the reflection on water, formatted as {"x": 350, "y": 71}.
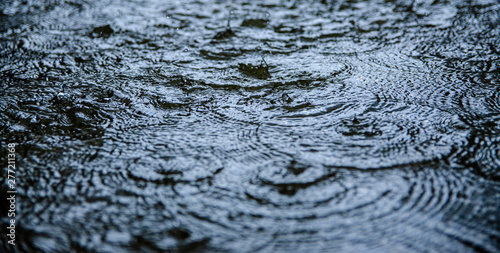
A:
{"x": 278, "y": 126}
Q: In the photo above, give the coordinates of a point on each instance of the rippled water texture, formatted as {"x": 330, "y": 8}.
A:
{"x": 303, "y": 126}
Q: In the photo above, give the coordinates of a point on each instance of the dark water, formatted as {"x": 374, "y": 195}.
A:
{"x": 306, "y": 126}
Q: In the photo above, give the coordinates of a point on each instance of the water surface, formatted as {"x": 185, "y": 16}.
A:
{"x": 272, "y": 126}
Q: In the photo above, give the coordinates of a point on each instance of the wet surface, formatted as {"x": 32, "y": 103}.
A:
{"x": 304, "y": 126}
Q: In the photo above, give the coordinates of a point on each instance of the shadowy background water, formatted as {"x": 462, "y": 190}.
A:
{"x": 305, "y": 126}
